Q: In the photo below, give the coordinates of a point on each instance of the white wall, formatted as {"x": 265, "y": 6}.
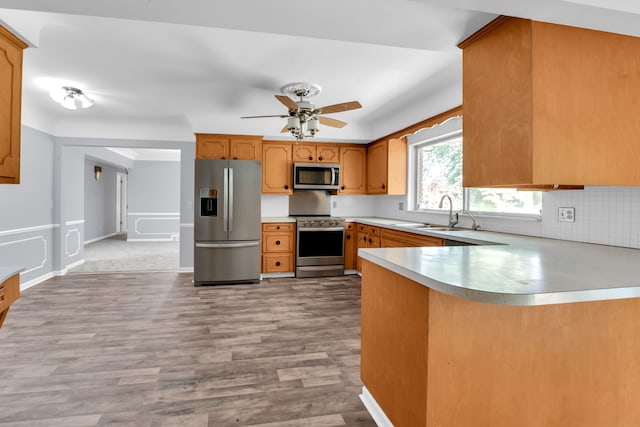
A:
{"x": 154, "y": 201}
{"x": 28, "y": 230}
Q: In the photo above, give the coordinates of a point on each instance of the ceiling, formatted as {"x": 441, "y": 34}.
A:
{"x": 162, "y": 69}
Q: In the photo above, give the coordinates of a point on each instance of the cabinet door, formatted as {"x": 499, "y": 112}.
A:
{"x": 304, "y": 153}
{"x": 246, "y": 148}
{"x": 276, "y": 169}
{"x": 353, "y": 170}
{"x": 328, "y": 154}
{"x": 212, "y": 147}
{"x": 10, "y": 106}
{"x": 349, "y": 249}
{"x": 377, "y": 168}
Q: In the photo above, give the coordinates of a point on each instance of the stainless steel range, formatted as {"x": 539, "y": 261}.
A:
{"x": 319, "y": 246}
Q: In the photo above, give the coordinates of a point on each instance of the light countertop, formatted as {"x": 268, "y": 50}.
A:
{"x": 278, "y": 219}
{"x": 512, "y": 269}
{"x": 8, "y": 271}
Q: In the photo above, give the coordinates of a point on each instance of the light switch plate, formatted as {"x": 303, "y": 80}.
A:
{"x": 567, "y": 214}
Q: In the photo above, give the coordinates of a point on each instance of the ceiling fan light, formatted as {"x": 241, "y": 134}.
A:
{"x": 71, "y": 98}
{"x": 313, "y": 125}
{"x": 293, "y": 124}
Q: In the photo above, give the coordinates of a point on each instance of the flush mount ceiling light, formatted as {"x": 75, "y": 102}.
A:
{"x": 71, "y": 98}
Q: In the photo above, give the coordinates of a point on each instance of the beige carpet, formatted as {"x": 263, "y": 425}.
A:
{"x": 117, "y": 255}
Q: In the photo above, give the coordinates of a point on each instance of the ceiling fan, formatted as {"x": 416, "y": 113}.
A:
{"x": 303, "y": 118}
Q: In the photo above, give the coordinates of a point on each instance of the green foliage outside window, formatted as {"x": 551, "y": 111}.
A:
{"x": 439, "y": 172}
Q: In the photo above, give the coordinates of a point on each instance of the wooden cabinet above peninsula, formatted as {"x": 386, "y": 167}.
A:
{"x": 549, "y": 104}
{"x": 10, "y": 106}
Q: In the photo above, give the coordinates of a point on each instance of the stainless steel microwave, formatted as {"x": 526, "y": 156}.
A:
{"x": 316, "y": 176}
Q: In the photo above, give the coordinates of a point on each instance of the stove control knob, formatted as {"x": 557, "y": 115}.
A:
{"x": 306, "y": 223}
{"x": 321, "y": 222}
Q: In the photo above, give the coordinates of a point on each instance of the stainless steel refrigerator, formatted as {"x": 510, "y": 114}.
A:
{"x": 227, "y": 221}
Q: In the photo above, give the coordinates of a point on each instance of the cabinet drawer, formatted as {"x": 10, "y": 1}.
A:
{"x": 349, "y": 226}
{"x": 9, "y": 291}
{"x": 277, "y": 242}
{"x": 278, "y": 226}
{"x": 374, "y": 231}
{"x": 363, "y": 228}
{"x": 277, "y": 263}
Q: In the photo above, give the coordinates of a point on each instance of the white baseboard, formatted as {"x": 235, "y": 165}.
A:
{"x": 348, "y": 272}
{"x": 97, "y": 239}
{"x": 185, "y": 270}
{"x": 374, "y": 409}
{"x": 36, "y": 281}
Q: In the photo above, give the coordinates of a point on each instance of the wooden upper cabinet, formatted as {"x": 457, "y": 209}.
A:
{"x": 10, "y": 105}
{"x": 304, "y": 152}
{"x": 310, "y": 152}
{"x": 328, "y": 153}
{"x": 549, "y": 104}
{"x": 387, "y": 167}
{"x": 353, "y": 170}
{"x": 234, "y": 147}
{"x": 277, "y": 172}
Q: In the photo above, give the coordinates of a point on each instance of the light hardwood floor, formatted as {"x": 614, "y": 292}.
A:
{"x": 150, "y": 349}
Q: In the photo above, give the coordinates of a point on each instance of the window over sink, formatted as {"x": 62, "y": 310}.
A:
{"x": 435, "y": 170}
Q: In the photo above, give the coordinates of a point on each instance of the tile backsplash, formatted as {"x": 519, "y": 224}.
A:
{"x": 603, "y": 215}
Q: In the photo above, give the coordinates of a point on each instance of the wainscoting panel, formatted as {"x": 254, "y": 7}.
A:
{"x": 30, "y": 248}
{"x": 145, "y": 226}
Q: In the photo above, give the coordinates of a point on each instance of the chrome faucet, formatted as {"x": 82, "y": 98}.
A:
{"x": 475, "y": 225}
{"x": 452, "y": 221}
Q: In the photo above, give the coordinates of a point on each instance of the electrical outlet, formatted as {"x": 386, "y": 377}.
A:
{"x": 567, "y": 214}
{"x": 335, "y": 204}
{"x": 401, "y": 206}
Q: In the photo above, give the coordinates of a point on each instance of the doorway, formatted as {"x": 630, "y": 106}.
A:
{"x": 121, "y": 202}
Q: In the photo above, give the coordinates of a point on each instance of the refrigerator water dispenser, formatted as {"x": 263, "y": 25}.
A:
{"x": 208, "y": 202}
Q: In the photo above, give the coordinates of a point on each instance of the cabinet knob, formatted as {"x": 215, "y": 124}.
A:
{"x": 342, "y": 188}
{"x": 310, "y": 158}
{"x": 348, "y": 237}
{"x": 277, "y": 242}
{"x": 320, "y": 158}
{"x": 278, "y": 227}
{"x": 223, "y": 158}
{"x": 383, "y": 186}
{"x": 235, "y": 158}
{"x": 286, "y": 187}
{"x": 277, "y": 263}
{"x": 370, "y": 240}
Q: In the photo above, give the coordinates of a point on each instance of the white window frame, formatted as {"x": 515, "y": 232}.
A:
{"x": 449, "y": 129}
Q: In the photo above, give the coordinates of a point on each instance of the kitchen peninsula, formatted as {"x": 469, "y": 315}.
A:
{"x": 515, "y": 331}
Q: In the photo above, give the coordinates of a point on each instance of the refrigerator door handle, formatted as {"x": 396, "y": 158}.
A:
{"x": 225, "y": 211}
{"x": 230, "y": 199}
{"x": 228, "y": 245}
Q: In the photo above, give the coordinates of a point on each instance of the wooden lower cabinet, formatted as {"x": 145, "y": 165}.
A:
{"x": 9, "y": 293}
{"x": 350, "y": 248}
{"x": 401, "y": 239}
{"x": 368, "y": 237}
{"x": 278, "y": 247}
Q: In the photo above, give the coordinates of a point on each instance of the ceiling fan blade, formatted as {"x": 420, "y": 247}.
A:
{"x": 336, "y": 108}
{"x": 285, "y": 129}
{"x": 288, "y": 102}
{"x": 259, "y": 117}
{"x": 327, "y": 121}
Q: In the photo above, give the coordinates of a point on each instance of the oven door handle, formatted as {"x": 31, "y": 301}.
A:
{"x": 300, "y": 230}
